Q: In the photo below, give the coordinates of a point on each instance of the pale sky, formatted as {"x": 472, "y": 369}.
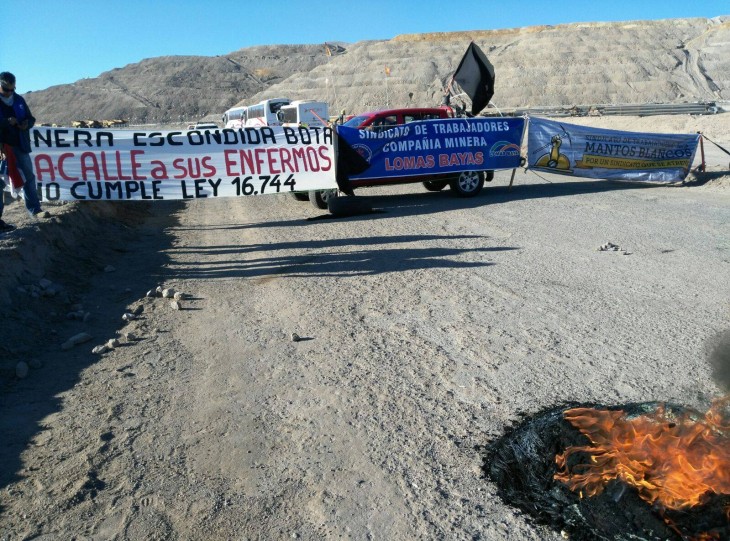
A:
{"x": 52, "y": 42}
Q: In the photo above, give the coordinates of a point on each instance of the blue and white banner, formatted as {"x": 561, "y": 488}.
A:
{"x": 558, "y": 147}
{"x": 438, "y": 146}
{"x": 98, "y": 164}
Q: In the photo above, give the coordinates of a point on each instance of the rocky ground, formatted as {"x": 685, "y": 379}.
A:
{"x": 425, "y": 330}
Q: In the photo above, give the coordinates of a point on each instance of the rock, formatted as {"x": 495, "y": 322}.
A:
{"x": 179, "y": 295}
{"x": 98, "y": 350}
{"x": 158, "y": 291}
{"x": 129, "y": 317}
{"x": 176, "y": 305}
{"x": 129, "y": 337}
{"x": 138, "y": 310}
{"x": 109, "y": 268}
{"x": 151, "y": 293}
{"x": 295, "y": 337}
{"x": 76, "y": 340}
{"x": 35, "y": 364}
{"x": 112, "y": 343}
{"x": 44, "y": 283}
{"x": 21, "y": 370}
{"x": 168, "y": 293}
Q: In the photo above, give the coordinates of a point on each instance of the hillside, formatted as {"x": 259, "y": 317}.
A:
{"x": 669, "y": 61}
{"x": 174, "y": 88}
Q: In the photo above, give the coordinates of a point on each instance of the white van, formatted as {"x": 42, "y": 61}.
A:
{"x": 304, "y": 113}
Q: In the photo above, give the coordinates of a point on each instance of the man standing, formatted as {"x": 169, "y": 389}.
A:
{"x": 15, "y": 123}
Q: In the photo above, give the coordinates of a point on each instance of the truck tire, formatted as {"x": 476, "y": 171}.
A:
{"x": 299, "y": 196}
{"x": 468, "y": 183}
{"x": 435, "y": 185}
{"x": 319, "y": 198}
{"x": 349, "y": 205}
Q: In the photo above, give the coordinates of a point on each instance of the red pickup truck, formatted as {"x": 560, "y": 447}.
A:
{"x": 465, "y": 184}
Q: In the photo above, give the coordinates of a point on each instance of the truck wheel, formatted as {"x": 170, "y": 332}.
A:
{"x": 299, "y": 196}
{"x": 489, "y": 176}
{"x": 435, "y": 185}
{"x": 349, "y": 206}
{"x": 468, "y": 183}
{"x": 319, "y": 198}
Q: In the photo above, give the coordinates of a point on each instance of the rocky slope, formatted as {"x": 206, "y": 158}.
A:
{"x": 672, "y": 60}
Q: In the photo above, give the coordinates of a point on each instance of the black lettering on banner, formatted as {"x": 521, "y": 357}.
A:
{"x": 74, "y": 193}
{"x": 199, "y": 188}
{"x": 48, "y": 192}
{"x": 214, "y": 185}
{"x": 64, "y": 138}
{"x": 113, "y": 186}
{"x": 185, "y": 191}
{"x": 244, "y": 187}
{"x": 290, "y": 182}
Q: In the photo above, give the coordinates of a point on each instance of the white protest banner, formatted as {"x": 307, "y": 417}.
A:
{"x": 96, "y": 164}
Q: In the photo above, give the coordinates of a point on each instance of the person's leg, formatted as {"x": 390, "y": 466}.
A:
{"x": 4, "y": 227}
{"x": 2, "y": 198}
{"x": 29, "y": 189}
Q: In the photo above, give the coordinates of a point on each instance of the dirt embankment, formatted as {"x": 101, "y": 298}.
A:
{"x": 426, "y": 329}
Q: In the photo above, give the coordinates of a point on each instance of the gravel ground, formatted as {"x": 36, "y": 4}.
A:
{"x": 425, "y": 330}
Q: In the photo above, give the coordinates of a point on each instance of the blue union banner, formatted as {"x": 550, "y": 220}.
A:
{"x": 558, "y": 147}
{"x": 438, "y": 146}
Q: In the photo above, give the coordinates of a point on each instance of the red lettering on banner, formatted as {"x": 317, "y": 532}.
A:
{"x": 325, "y": 158}
{"x": 285, "y": 158}
{"x": 178, "y": 164}
{"x": 198, "y": 167}
{"x": 209, "y": 169}
{"x": 461, "y": 158}
{"x": 117, "y": 154}
{"x": 107, "y": 176}
{"x": 272, "y": 160}
{"x": 229, "y": 161}
{"x": 61, "y": 171}
{"x": 136, "y": 165}
{"x": 91, "y": 166}
{"x": 259, "y": 160}
{"x": 246, "y": 162}
{"x": 44, "y": 164}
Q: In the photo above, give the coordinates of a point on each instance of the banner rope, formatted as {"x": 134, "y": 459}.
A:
{"x": 714, "y": 143}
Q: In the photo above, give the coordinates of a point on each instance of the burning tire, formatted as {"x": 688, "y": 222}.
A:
{"x": 546, "y": 466}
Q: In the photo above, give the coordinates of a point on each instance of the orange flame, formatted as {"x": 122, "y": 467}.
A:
{"x": 675, "y": 461}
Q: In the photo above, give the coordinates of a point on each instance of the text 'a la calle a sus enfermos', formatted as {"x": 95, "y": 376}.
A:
{"x": 85, "y": 157}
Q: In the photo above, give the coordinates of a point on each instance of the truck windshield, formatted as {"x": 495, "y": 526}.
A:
{"x": 355, "y": 121}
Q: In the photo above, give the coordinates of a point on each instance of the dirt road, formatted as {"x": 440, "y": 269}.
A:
{"x": 426, "y": 329}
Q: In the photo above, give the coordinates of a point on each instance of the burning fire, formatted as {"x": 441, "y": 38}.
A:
{"x": 673, "y": 461}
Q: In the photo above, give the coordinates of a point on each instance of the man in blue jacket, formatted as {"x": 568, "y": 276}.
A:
{"x": 16, "y": 121}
